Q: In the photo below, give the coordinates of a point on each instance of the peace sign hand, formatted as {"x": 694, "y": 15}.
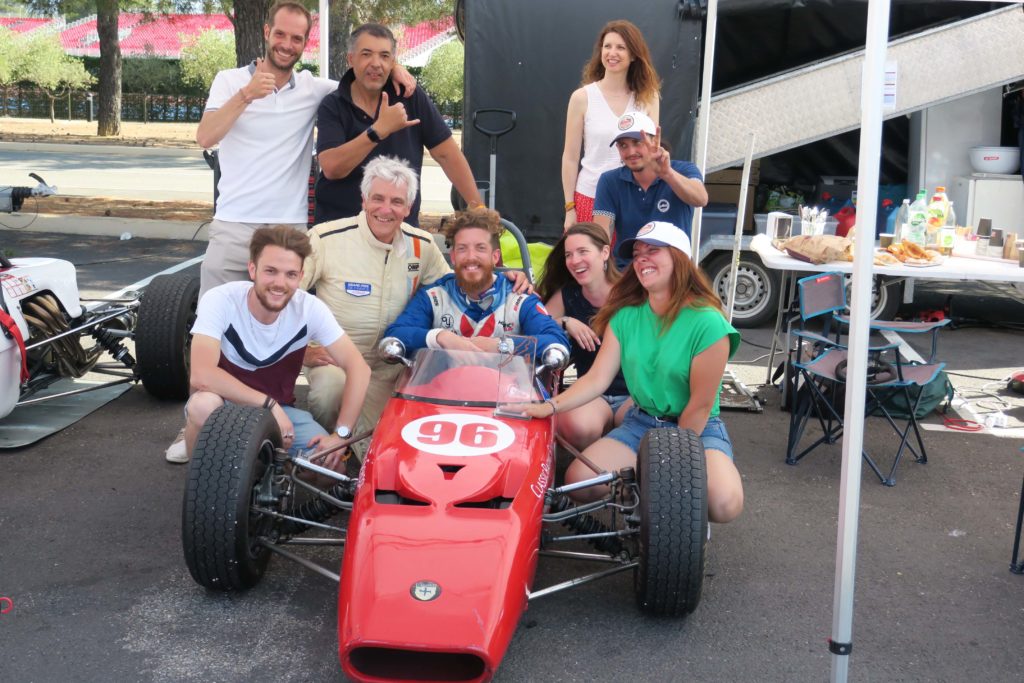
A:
{"x": 659, "y": 157}
{"x": 392, "y": 117}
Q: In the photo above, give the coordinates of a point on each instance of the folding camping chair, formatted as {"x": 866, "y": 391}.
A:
{"x": 822, "y": 376}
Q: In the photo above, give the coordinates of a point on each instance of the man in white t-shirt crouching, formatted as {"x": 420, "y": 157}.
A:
{"x": 249, "y": 339}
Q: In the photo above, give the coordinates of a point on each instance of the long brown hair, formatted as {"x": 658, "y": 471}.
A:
{"x": 556, "y": 273}
{"x": 641, "y": 78}
{"x": 690, "y": 287}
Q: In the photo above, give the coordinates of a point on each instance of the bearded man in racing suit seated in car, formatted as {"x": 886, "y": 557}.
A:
{"x": 248, "y": 342}
{"x": 366, "y": 268}
{"x": 470, "y": 309}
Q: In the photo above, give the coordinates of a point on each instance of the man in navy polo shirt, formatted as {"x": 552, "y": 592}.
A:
{"x": 649, "y": 186}
{"x": 365, "y": 118}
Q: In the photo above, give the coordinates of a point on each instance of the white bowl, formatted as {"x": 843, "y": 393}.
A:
{"x": 996, "y": 159}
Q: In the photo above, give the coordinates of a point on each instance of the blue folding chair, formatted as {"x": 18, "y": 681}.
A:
{"x": 822, "y": 375}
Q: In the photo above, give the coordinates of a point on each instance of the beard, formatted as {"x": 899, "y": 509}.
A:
{"x": 261, "y": 296}
{"x": 286, "y": 66}
{"x": 476, "y": 283}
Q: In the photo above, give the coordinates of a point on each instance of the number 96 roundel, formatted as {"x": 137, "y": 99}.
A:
{"x": 458, "y": 435}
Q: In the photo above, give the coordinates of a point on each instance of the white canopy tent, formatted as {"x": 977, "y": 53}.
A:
{"x": 872, "y": 83}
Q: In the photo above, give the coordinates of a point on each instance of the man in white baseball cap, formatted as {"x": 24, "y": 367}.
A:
{"x": 649, "y": 186}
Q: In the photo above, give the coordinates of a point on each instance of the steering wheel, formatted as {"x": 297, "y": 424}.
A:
{"x": 878, "y": 372}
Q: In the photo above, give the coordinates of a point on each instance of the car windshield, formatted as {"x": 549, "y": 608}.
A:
{"x": 473, "y": 378}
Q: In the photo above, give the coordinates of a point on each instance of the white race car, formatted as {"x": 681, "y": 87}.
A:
{"x": 48, "y": 333}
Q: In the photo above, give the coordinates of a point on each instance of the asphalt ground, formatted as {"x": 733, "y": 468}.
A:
{"x": 90, "y": 551}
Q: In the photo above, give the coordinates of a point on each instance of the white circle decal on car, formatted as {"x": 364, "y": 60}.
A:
{"x": 458, "y": 435}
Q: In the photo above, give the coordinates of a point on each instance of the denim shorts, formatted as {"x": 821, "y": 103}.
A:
{"x": 615, "y": 401}
{"x": 637, "y": 423}
{"x": 305, "y": 427}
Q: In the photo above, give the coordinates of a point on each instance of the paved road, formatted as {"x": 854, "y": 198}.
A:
{"x": 145, "y": 172}
{"x": 90, "y": 555}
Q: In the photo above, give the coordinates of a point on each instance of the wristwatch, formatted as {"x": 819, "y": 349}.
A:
{"x": 373, "y": 135}
{"x": 343, "y": 431}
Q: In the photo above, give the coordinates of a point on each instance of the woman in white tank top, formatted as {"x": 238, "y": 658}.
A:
{"x": 618, "y": 78}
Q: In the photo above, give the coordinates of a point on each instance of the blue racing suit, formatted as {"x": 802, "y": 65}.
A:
{"x": 443, "y": 306}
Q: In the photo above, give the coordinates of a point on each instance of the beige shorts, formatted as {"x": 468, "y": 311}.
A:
{"x": 227, "y": 254}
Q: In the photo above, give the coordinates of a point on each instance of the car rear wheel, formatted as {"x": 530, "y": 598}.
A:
{"x": 220, "y": 528}
{"x": 757, "y": 288}
{"x": 674, "y": 520}
{"x": 163, "y": 334}
{"x": 886, "y": 296}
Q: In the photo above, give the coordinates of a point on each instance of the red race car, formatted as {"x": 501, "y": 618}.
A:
{"x": 454, "y": 504}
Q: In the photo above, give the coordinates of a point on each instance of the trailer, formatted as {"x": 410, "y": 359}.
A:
{"x": 773, "y": 58}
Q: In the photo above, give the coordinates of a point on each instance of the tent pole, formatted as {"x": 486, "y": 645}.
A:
{"x": 325, "y": 53}
{"x": 700, "y": 150}
{"x": 737, "y": 242}
{"x": 872, "y": 81}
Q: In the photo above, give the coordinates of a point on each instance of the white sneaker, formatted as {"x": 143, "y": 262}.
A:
{"x": 177, "y": 452}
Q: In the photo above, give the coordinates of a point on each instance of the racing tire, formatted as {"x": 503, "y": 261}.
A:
{"x": 673, "y": 522}
{"x": 219, "y": 531}
{"x": 163, "y": 338}
{"x": 757, "y": 288}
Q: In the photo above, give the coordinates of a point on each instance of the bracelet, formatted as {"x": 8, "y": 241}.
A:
{"x": 373, "y": 135}
{"x": 564, "y": 328}
{"x": 551, "y": 402}
{"x": 570, "y": 205}
{"x": 269, "y": 403}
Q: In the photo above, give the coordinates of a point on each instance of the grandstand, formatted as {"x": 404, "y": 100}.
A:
{"x": 161, "y": 35}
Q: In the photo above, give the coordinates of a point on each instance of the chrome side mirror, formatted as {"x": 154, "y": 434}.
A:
{"x": 392, "y": 350}
{"x": 555, "y": 357}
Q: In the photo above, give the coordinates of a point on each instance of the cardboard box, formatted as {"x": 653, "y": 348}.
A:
{"x": 734, "y": 176}
{"x": 730, "y": 194}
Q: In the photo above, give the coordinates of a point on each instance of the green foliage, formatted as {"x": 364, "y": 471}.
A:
{"x": 10, "y": 58}
{"x": 45, "y": 64}
{"x": 204, "y": 55}
{"x": 151, "y": 75}
{"x": 442, "y": 76}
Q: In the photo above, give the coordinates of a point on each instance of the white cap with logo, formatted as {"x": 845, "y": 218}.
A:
{"x": 660, "y": 233}
{"x": 634, "y": 124}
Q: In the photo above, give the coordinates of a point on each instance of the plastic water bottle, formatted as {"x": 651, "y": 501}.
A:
{"x": 917, "y": 220}
{"x": 898, "y": 220}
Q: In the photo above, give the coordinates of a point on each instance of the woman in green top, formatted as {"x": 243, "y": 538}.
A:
{"x": 663, "y": 325}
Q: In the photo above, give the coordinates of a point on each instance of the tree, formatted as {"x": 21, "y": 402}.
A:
{"x": 109, "y": 115}
{"x": 46, "y": 65}
{"x": 249, "y": 16}
{"x": 109, "y": 118}
{"x": 345, "y": 15}
{"x": 11, "y": 57}
{"x": 151, "y": 75}
{"x": 202, "y": 56}
{"x": 442, "y": 76}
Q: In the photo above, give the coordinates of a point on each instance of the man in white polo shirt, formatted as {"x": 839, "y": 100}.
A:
{"x": 262, "y": 116}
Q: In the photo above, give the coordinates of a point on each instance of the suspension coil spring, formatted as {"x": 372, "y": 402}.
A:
{"x": 317, "y": 509}
{"x": 113, "y": 345}
{"x": 587, "y": 524}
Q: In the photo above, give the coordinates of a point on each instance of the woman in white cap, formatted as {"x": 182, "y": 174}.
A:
{"x": 619, "y": 77}
{"x": 578, "y": 277}
{"x": 663, "y": 325}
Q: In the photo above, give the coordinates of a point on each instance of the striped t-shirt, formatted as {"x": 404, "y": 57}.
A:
{"x": 267, "y": 358}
